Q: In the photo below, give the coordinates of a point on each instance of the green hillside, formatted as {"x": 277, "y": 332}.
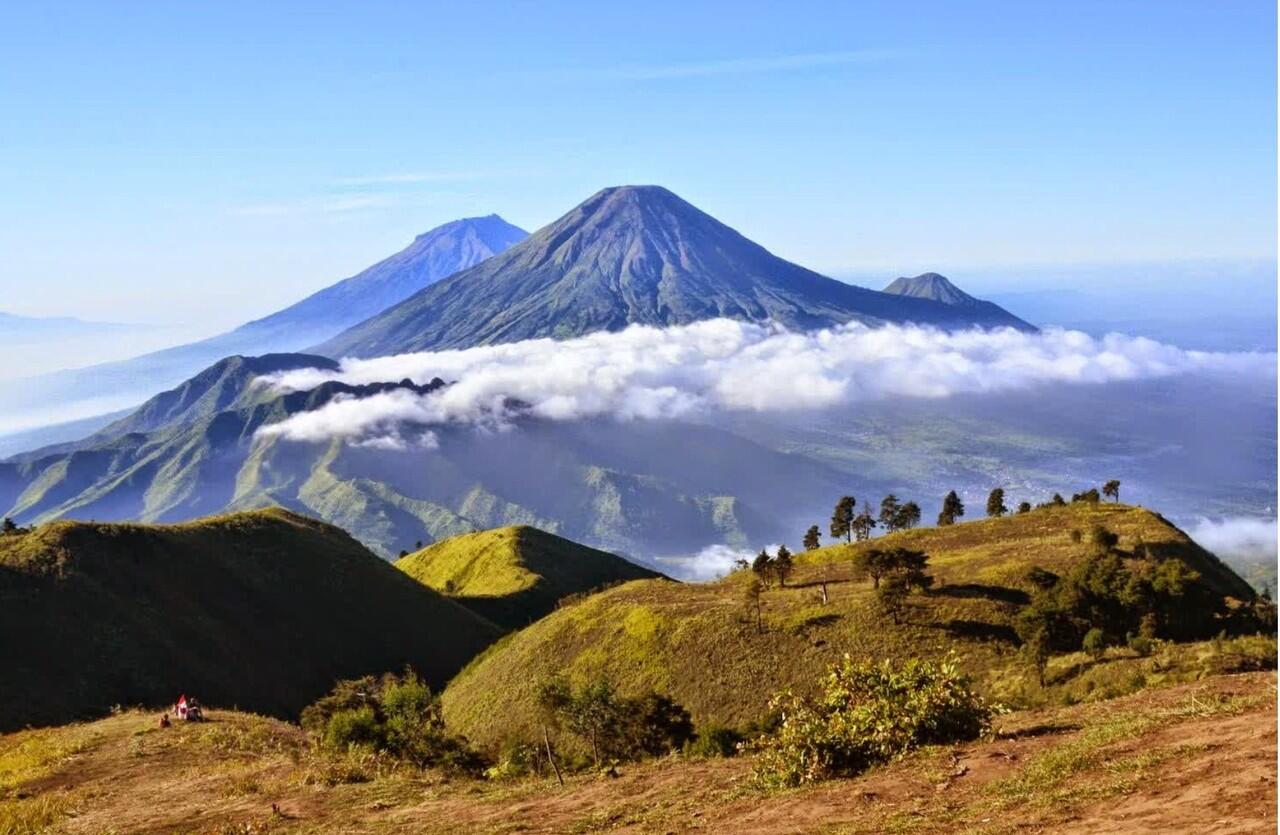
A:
{"x": 515, "y": 575}
{"x": 699, "y": 643}
{"x": 263, "y": 610}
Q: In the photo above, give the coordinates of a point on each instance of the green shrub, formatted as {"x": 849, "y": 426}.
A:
{"x": 1094, "y": 643}
{"x": 612, "y": 726}
{"x": 394, "y": 715}
{"x": 869, "y": 714}
{"x": 714, "y": 741}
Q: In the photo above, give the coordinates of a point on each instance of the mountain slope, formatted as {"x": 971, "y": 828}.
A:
{"x": 627, "y": 255}
{"x": 264, "y": 610}
{"x": 934, "y": 287}
{"x": 515, "y": 575}
{"x": 111, "y": 386}
{"x": 698, "y": 643}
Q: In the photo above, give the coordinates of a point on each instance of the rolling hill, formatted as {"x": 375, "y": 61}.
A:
{"x": 111, "y": 386}
{"x": 698, "y": 643}
{"x": 263, "y": 610}
{"x": 627, "y": 255}
{"x": 515, "y": 575}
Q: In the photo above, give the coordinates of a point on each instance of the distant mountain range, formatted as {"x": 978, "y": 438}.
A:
{"x": 626, "y": 255}
{"x": 110, "y": 386}
{"x": 633, "y": 255}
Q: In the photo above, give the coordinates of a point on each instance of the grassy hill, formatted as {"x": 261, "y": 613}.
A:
{"x": 261, "y": 609}
{"x": 699, "y": 644}
{"x": 1181, "y": 759}
{"x": 515, "y": 575}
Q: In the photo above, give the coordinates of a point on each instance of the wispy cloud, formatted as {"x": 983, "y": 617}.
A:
{"x": 740, "y": 66}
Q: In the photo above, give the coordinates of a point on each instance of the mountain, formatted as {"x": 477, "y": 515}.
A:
{"x": 627, "y": 255}
{"x": 699, "y": 644}
{"x": 263, "y": 610}
{"x": 83, "y": 392}
{"x": 512, "y": 576}
{"x": 196, "y": 450}
{"x": 934, "y": 287}
{"x": 14, "y": 327}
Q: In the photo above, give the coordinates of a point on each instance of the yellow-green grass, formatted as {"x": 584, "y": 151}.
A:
{"x": 260, "y": 609}
{"x": 516, "y": 574}
{"x": 699, "y": 643}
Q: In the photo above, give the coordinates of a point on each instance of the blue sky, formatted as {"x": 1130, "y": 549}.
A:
{"x": 166, "y": 163}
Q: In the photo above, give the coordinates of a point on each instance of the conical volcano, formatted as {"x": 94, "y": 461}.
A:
{"x": 626, "y": 255}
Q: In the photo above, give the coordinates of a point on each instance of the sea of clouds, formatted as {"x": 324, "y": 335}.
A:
{"x": 722, "y": 364}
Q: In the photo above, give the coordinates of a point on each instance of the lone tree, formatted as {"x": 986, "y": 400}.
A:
{"x": 783, "y": 564}
{"x": 862, "y": 525}
{"x": 1024, "y": 507}
{"x": 891, "y": 597}
{"x": 952, "y": 509}
{"x": 812, "y": 538}
{"x": 995, "y": 503}
{"x": 8, "y": 526}
{"x": 842, "y": 518}
{"x": 1112, "y": 489}
{"x": 905, "y": 573}
{"x": 889, "y": 508}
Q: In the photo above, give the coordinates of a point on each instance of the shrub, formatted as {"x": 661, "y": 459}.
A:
{"x": 869, "y": 714}
{"x": 1141, "y": 645}
{"x": 612, "y": 726}
{"x": 714, "y": 741}
{"x": 395, "y": 715}
{"x": 1094, "y": 643}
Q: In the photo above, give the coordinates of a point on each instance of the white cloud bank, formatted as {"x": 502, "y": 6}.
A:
{"x": 1242, "y": 539}
{"x": 722, "y": 364}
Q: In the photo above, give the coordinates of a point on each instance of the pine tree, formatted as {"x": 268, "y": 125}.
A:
{"x": 783, "y": 564}
{"x": 995, "y": 503}
{"x": 751, "y": 594}
{"x": 762, "y": 566}
{"x": 952, "y": 509}
{"x": 862, "y": 525}
{"x": 908, "y": 516}
{"x": 812, "y": 538}
{"x": 889, "y": 508}
{"x": 842, "y": 518}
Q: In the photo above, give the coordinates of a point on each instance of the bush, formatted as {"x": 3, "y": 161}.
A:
{"x": 1094, "y": 643}
{"x": 714, "y": 741}
{"x": 1141, "y": 645}
{"x": 869, "y": 714}
{"x": 614, "y": 727}
{"x": 395, "y": 715}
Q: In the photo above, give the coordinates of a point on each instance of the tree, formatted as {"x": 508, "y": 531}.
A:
{"x": 995, "y": 503}
{"x": 1091, "y": 496}
{"x": 874, "y": 563}
{"x": 1112, "y": 489}
{"x": 8, "y": 526}
{"x": 1036, "y": 648}
{"x": 1057, "y": 500}
{"x": 762, "y": 566}
{"x": 783, "y": 564}
{"x": 842, "y": 518}
{"x": 862, "y": 525}
{"x": 812, "y": 538}
{"x": 1103, "y": 540}
{"x": 952, "y": 509}
{"x": 908, "y": 564}
{"x": 751, "y": 594}
{"x": 908, "y": 516}
{"x": 1024, "y": 507}
{"x": 889, "y": 508}
{"x": 891, "y": 596}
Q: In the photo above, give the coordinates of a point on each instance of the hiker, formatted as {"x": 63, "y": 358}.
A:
{"x": 164, "y": 720}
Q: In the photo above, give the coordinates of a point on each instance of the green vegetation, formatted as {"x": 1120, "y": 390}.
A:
{"x": 396, "y": 715}
{"x": 515, "y": 575}
{"x": 262, "y": 609}
{"x": 867, "y": 714}
{"x": 615, "y": 728}
{"x": 720, "y": 648}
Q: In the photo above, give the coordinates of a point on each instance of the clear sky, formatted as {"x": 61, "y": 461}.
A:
{"x": 166, "y": 163}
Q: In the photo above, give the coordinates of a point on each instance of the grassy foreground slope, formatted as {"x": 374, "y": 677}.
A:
{"x": 261, "y": 609}
{"x": 699, "y": 643}
{"x": 1197, "y": 757}
{"x": 515, "y": 575}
